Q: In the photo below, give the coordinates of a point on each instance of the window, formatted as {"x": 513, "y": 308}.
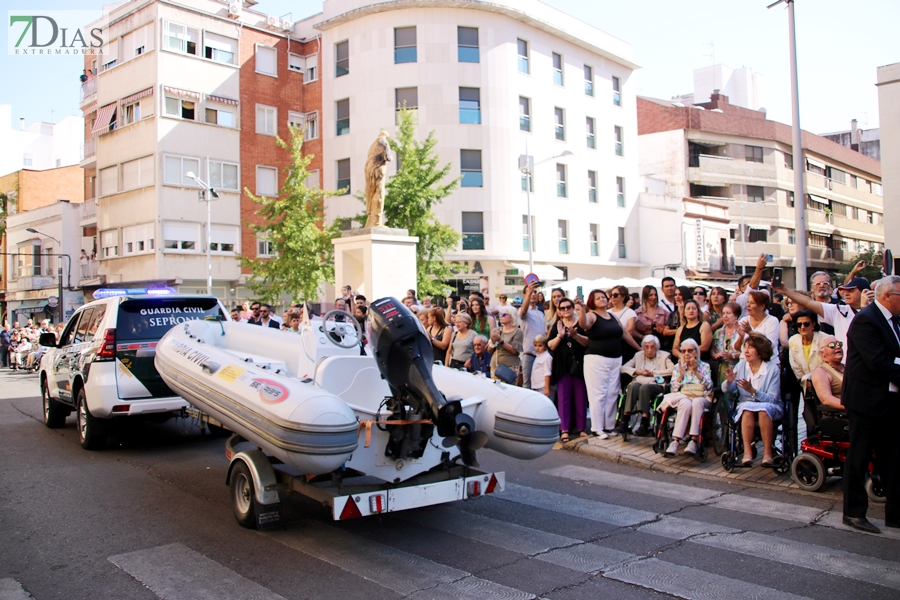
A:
{"x": 815, "y": 167}
{"x": 109, "y": 243}
{"x": 223, "y": 175}
{"x": 176, "y": 168}
{"x": 220, "y": 116}
{"x": 589, "y": 128}
{"x": 312, "y": 179}
{"x": 470, "y": 166}
{"x": 405, "y": 45}
{"x": 296, "y": 119}
{"x": 112, "y": 54}
{"x": 877, "y": 189}
{"x": 557, "y": 69}
{"x": 109, "y": 180}
{"x": 525, "y": 180}
{"x": 620, "y": 140}
{"x": 623, "y": 253}
{"x": 524, "y": 114}
{"x": 223, "y": 239}
{"x": 816, "y": 203}
{"x": 523, "y": 56}
{"x": 264, "y": 246}
{"x": 180, "y": 38}
{"x": 470, "y": 106}
{"x": 343, "y": 176}
{"x": 266, "y": 60}
{"x": 525, "y": 233}
{"x": 592, "y": 186}
{"x": 562, "y": 228}
{"x": 312, "y": 125}
{"x": 790, "y": 199}
{"x": 467, "y": 38}
{"x": 266, "y": 181}
{"x": 792, "y": 236}
{"x": 131, "y": 113}
{"x": 561, "y": 181}
{"x": 341, "y": 59}
{"x": 304, "y": 64}
{"x": 588, "y": 80}
{"x": 266, "y": 120}
{"x": 839, "y": 209}
{"x": 296, "y": 63}
{"x": 138, "y": 239}
{"x": 137, "y": 42}
{"x": 595, "y": 239}
{"x": 617, "y": 91}
{"x": 758, "y": 234}
{"x": 29, "y": 255}
{"x": 407, "y": 98}
{"x": 28, "y": 160}
{"x": 179, "y": 108}
{"x": 788, "y": 161}
{"x": 753, "y": 154}
{"x": 837, "y": 175}
{"x": 755, "y": 193}
{"x": 219, "y": 48}
{"x": 342, "y": 112}
{"x": 138, "y": 173}
{"x": 620, "y": 192}
{"x": 472, "y": 230}
{"x": 817, "y": 239}
{"x": 181, "y": 237}
{"x": 560, "y": 118}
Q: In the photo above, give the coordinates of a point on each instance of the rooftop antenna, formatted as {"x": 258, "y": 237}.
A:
{"x": 711, "y": 54}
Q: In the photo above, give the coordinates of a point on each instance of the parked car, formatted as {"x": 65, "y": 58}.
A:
{"x": 102, "y": 366}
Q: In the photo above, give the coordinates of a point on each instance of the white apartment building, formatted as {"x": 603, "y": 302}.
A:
{"x": 38, "y": 146}
{"x": 493, "y": 80}
{"x": 889, "y": 123}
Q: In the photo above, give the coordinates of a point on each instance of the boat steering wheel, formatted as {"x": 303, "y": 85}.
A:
{"x": 339, "y": 335}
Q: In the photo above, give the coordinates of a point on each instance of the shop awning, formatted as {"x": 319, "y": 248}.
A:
{"x": 545, "y": 272}
{"x": 222, "y": 99}
{"x": 105, "y": 117}
{"x": 180, "y": 92}
{"x": 758, "y": 227}
{"x": 29, "y": 305}
{"x": 138, "y": 96}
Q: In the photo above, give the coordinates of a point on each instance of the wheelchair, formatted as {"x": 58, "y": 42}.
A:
{"x": 824, "y": 451}
{"x": 783, "y": 447}
{"x": 713, "y": 426}
{"x": 633, "y": 420}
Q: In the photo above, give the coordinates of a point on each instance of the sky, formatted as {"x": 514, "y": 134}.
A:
{"x": 840, "y": 45}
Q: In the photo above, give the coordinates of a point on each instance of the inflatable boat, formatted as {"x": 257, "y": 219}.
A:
{"x": 315, "y": 402}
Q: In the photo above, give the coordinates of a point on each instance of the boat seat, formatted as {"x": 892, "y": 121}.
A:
{"x": 354, "y": 379}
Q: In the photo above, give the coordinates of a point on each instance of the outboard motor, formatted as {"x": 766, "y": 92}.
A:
{"x": 405, "y": 357}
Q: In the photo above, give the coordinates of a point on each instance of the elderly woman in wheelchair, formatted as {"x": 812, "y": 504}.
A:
{"x": 757, "y": 382}
{"x": 691, "y": 396}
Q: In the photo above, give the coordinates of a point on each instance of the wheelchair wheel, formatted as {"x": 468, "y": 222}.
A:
{"x": 782, "y": 464}
{"x": 875, "y": 489}
{"x": 700, "y": 456}
{"x": 728, "y": 462}
{"x": 720, "y": 424}
{"x": 808, "y": 471}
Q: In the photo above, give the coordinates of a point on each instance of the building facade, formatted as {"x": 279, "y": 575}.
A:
{"x": 889, "y": 122}
{"x": 39, "y": 146}
{"x": 866, "y": 141}
{"x": 717, "y": 156}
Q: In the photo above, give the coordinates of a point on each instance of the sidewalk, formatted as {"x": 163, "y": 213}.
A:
{"x": 638, "y": 452}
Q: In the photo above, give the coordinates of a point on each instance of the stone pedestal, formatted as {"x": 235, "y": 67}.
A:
{"x": 376, "y": 261}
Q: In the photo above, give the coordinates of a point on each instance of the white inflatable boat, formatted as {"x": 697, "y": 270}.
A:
{"x": 314, "y": 402}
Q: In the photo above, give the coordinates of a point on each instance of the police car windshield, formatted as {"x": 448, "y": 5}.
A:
{"x": 149, "y": 319}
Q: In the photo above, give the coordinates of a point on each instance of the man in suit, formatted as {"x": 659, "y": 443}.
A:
{"x": 4, "y": 346}
{"x": 265, "y": 318}
{"x": 872, "y": 397}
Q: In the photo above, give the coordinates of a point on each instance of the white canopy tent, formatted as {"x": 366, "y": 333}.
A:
{"x": 633, "y": 285}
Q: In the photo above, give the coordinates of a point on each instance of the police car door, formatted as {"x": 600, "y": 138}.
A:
{"x": 69, "y": 346}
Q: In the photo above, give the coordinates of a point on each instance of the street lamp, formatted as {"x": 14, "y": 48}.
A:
{"x": 60, "y": 306}
{"x": 208, "y": 198}
{"x": 799, "y": 167}
{"x": 526, "y": 166}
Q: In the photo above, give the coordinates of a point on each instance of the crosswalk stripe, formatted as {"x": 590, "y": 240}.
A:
{"x": 677, "y": 528}
{"x": 175, "y": 572}
{"x": 556, "y": 549}
{"x": 692, "y": 584}
{"x": 10, "y": 589}
{"x": 404, "y": 573}
{"x": 726, "y": 500}
{"x": 835, "y": 519}
{"x": 592, "y": 510}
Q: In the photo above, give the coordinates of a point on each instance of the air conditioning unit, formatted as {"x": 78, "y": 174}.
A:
{"x": 235, "y": 9}
{"x": 287, "y": 25}
{"x": 273, "y": 21}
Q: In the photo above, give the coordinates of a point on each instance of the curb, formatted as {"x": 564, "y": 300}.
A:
{"x": 583, "y": 447}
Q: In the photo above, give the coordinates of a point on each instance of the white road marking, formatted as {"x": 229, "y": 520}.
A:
{"x": 592, "y": 510}
{"x": 175, "y": 572}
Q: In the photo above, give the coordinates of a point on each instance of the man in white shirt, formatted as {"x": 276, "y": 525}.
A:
{"x": 667, "y": 300}
{"x": 533, "y": 325}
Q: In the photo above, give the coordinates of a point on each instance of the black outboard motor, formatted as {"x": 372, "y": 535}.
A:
{"x": 404, "y": 356}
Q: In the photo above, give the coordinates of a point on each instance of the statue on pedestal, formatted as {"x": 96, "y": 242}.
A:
{"x": 376, "y": 168}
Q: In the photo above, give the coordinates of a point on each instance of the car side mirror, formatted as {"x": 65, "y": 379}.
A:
{"x": 47, "y": 339}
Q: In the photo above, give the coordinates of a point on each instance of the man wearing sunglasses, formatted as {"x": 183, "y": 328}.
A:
{"x": 872, "y": 397}
{"x": 265, "y": 317}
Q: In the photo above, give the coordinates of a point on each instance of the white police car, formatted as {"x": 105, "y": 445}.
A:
{"x": 102, "y": 367}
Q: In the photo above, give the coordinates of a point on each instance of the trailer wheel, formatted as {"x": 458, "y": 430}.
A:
{"x": 242, "y": 496}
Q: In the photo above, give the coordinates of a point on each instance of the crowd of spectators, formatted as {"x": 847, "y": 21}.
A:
{"x": 20, "y": 348}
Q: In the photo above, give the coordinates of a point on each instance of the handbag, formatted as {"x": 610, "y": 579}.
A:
{"x": 505, "y": 374}
{"x": 576, "y": 369}
{"x": 693, "y": 390}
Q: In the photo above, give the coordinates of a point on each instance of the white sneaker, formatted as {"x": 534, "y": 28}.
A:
{"x": 672, "y": 450}
{"x": 603, "y": 436}
{"x": 613, "y": 433}
{"x": 691, "y": 448}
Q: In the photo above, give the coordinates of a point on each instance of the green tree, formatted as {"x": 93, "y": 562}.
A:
{"x": 409, "y": 200}
{"x": 301, "y": 243}
{"x": 871, "y": 270}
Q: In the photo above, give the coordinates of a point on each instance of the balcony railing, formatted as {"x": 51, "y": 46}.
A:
{"x": 89, "y": 148}
{"x": 88, "y": 89}
{"x": 88, "y": 210}
{"x": 88, "y": 271}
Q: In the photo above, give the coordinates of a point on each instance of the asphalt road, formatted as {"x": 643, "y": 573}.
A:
{"x": 149, "y": 517}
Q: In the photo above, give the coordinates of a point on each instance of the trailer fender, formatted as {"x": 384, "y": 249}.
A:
{"x": 265, "y": 484}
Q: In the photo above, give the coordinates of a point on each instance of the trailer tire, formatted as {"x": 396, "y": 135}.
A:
{"x": 242, "y": 496}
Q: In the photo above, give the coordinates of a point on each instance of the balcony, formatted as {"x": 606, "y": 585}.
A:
{"x": 88, "y": 272}
{"x": 88, "y": 151}
{"x": 707, "y": 169}
{"x": 88, "y": 212}
{"x": 88, "y": 92}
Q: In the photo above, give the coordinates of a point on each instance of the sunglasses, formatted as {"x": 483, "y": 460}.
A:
{"x": 566, "y": 307}
{"x": 691, "y": 350}
{"x": 804, "y": 324}
{"x": 699, "y": 293}
{"x": 834, "y": 345}
{"x": 615, "y": 295}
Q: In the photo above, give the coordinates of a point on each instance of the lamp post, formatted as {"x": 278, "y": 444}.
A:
{"x": 60, "y": 307}
{"x": 526, "y": 166}
{"x": 208, "y": 199}
{"x": 799, "y": 191}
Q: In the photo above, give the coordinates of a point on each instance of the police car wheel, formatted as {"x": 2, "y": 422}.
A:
{"x": 91, "y": 432}
{"x": 54, "y": 414}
